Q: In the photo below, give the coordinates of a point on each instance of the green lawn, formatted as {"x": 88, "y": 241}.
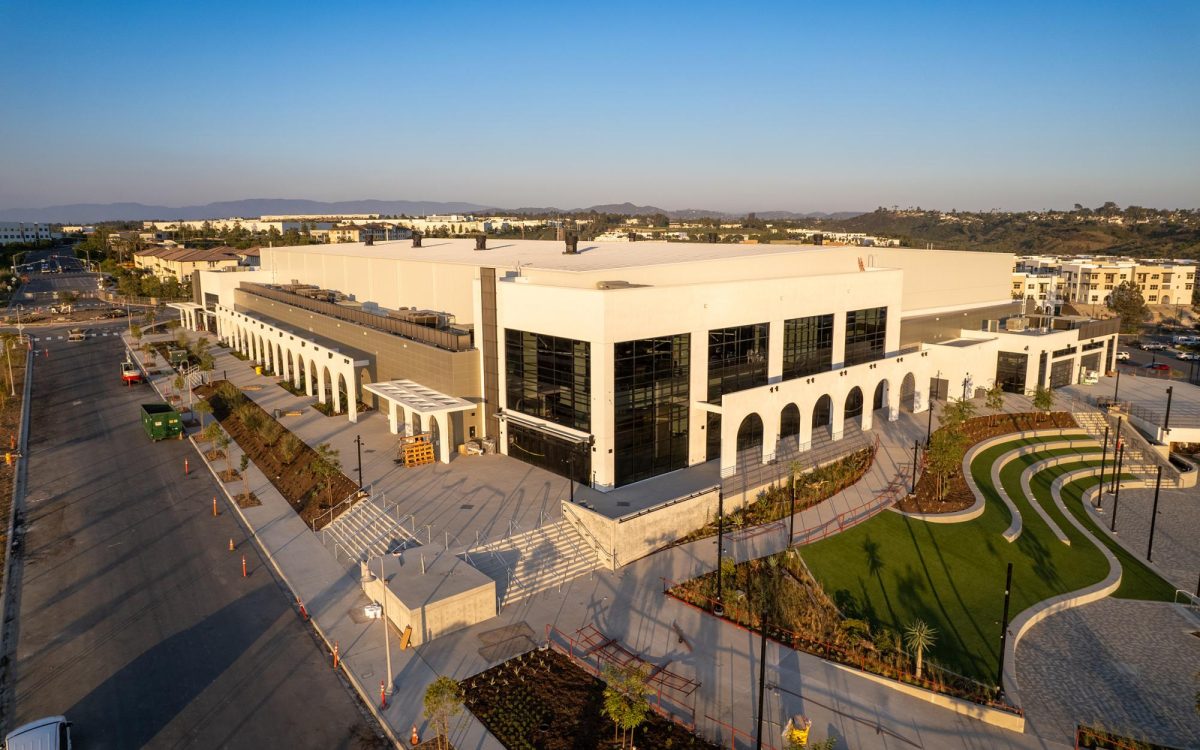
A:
{"x": 894, "y": 570}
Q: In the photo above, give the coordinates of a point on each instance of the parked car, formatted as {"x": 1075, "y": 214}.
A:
{"x": 1159, "y": 367}
{"x": 50, "y": 733}
{"x": 1122, "y": 356}
{"x": 1152, "y": 346}
{"x": 1187, "y": 355}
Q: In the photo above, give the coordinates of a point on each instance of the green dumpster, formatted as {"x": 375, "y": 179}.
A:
{"x": 160, "y": 421}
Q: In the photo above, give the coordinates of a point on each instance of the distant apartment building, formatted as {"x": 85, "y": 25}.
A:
{"x": 1091, "y": 280}
{"x": 179, "y": 263}
{"x": 15, "y": 231}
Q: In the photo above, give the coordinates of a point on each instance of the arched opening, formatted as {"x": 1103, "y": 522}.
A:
{"x": 1166, "y": 300}
{"x": 750, "y": 433}
{"x": 879, "y": 401}
{"x": 789, "y": 427}
{"x": 339, "y": 382}
{"x": 823, "y": 415}
{"x": 416, "y": 424}
{"x": 853, "y": 405}
{"x": 908, "y": 393}
{"x": 435, "y": 434}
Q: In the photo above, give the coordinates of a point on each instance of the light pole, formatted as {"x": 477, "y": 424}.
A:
{"x": 358, "y": 444}
{"x": 719, "y": 607}
{"x": 929, "y": 423}
{"x": 1154, "y": 514}
{"x": 1004, "y": 628}
{"x": 1117, "y": 387}
{"x": 1103, "y": 459}
{"x": 762, "y": 675}
{"x": 1167, "y": 416}
{"x": 1117, "y": 495}
{"x": 387, "y": 641}
{"x": 791, "y": 519}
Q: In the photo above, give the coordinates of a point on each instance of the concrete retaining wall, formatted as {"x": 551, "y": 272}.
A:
{"x": 620, "y": 541}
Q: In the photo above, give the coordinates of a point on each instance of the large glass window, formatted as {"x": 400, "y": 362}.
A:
{"x": 572, "y": 460}
{"x": 807, "y": 346}
{"x": 866, "y": 335}
{"x": 650, "y": 406}
{"x": 737, "y": 359}
{"x": 548, "y": 377}
{"x": 1010, "y": 371}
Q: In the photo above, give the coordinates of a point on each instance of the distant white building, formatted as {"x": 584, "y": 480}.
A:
{"x": 14, "y": 231}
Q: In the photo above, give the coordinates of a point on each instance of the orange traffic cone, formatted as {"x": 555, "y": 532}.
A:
{"x": 416, "y": 738}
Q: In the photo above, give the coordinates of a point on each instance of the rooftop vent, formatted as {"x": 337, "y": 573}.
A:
{"x": 370, "y": 240}
{"x": 572, "y": 241}
{"x": 712, "y": 237}
{"x": 633, "y": 236}
{"x": 416, "y": 238}
{"x": 481, "y": 242}
{"x": 818, "y": 239}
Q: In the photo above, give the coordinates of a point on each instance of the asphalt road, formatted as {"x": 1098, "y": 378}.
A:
{"x": 1138, "y": 359}
{"x": 130, "y": 615}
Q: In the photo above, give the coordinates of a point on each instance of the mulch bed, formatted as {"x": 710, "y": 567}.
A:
{"x": 293, "y": 479}
{"x": 544, "y": 701}
{"x": 245, "y": 500}
{"x": 958, "y": 494}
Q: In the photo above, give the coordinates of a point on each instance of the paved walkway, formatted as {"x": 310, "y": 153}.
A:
{"x": 1176, "y": 553}
{"x": 627, "y": 605}
{"x": 1125, "y": 665}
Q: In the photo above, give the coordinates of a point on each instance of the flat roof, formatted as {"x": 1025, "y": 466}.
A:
{"x": 592, "y": 256}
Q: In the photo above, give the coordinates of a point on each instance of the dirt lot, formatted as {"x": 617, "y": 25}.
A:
{"x": 10, "y": 418}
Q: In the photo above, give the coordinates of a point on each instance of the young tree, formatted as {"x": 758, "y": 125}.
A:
{"x": 222, "y": 444}
{"x": 242, "y": 466}
{"x": 211, "y": 433}
{"x": 1126, "y": 300}
{"x": 625, "y": 699}
{"x": 1043, "y": 401}
{"x": 919, "y": 637}
{"x": 944, "y": 458}
{"x": 995, "y": 400}
{"x": 202, "y": 408}
{"x": 958, "y": 410}
{"x": 443, "y": 701}
{"x": 135, "y": 330}
{"x": 325, "y": 468}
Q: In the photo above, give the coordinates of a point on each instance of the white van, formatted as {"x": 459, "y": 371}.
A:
{"x": 50, "y": 733}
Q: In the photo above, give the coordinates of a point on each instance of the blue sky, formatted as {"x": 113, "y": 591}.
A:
{"x": 734, "y": 106}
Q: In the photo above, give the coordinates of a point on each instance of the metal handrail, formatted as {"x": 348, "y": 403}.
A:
{"x": 569, "y": 514}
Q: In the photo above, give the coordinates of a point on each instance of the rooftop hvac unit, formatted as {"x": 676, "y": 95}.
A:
{"x": 1016, "y": 325}
{"x": 991, "y": 326}
{"x": 615, "y": 284}
{"x": 572, "y": 241}
{"x": 416, "y": 238}
{"x": 481, "y": 242}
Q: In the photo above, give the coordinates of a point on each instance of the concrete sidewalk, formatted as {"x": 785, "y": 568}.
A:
{"x": 627, "y": 604}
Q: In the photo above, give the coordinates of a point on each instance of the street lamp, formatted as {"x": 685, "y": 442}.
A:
{"x": 358, "y": 444}
{"x": 719, "y": 607}
{"x": 387, "y": 641}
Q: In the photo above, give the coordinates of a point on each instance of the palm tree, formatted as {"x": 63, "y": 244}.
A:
{"x": 919, "y": 637}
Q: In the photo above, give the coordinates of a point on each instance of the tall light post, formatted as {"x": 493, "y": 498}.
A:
{"x": 387, "y": 640}
{"x": 1117, "y": 495}
{"x": 719, "y": 607}
{"x": 1154, "y": 514}
{"x": 1167, "y": 416}
{"x": 1103, "y": 460}
{"x": 1004, "y": 628}
{"x": 358, "y": 444}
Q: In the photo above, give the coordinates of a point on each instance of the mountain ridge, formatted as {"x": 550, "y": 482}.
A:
{"x": 90, "y": 213}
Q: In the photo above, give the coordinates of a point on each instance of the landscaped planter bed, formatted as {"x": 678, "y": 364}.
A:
{"x": 293, "y": 478}
{"x": 544, "y": 700}
{"x": 958, "y": 494}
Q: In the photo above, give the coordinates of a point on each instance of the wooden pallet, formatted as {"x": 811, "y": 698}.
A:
{"x": 416, "y": 450}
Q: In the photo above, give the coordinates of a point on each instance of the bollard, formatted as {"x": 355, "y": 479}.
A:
{"x": 244, "y": 566}
{"x": 335, "y": 654}
{"x": 416, "y": 738}
{"x": 303, "y": 611}
{"x": 231, "y": 547}
{"x": 214, "y": 506}
{"x": 382, "y": 694}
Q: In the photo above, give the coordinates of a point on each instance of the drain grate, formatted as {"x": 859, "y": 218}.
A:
{"x": 622, "y": 504}
{"x": 466, "y": 506}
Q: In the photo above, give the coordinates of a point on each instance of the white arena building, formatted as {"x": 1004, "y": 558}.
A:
{"x": 626, "y": 361}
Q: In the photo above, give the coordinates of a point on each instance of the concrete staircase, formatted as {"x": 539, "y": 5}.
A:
{"x": 1136, "y": 460}
{"x": 367, "y": 530}
{"x": 531, "y": 562}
